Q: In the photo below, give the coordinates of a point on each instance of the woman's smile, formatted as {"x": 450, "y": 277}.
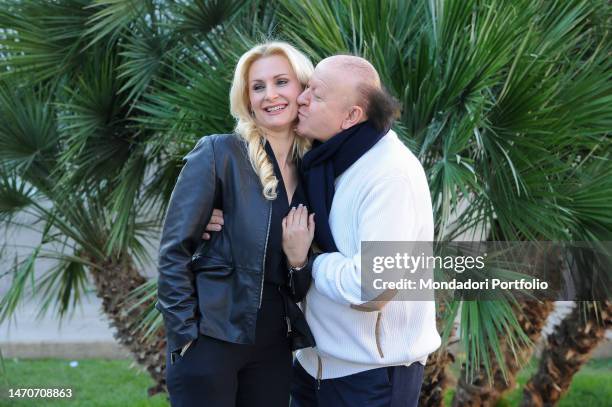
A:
{"x": 276, "y": 109}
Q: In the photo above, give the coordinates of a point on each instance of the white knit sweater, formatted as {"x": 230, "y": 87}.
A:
{"x": 383, "y": 196}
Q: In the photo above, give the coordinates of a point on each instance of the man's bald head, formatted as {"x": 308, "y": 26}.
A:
{"x": 354, "y": 69}
{"x": 343, "y": 91}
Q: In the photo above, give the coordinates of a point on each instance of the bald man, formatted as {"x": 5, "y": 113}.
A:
{"x": 336, "y": 97}
{"x": 363, "y": 184}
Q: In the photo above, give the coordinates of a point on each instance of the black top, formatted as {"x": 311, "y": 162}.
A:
{"x": 276, "y": 262}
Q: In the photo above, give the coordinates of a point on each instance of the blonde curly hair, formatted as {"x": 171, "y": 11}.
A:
{"x": 241, "y": 111}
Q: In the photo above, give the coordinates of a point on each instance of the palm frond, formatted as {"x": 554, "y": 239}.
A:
{"x": 151, "y": 319}
{"x": 202, "y": 16}
{"x": 28, "y": 131}
{"x": 45, "y": 38}
{"x": 111, "y": 17}
{"x": 62, "y": 288}
{"x": 15, "y": 194}
{"x": 195, "y": 104}
{"x": 142, "y": 53}
{"x": 123, "y": 204}
{"x": 22, "y": 273}
{"x": 485, "y": 325}
{"x": 93, "y": 125}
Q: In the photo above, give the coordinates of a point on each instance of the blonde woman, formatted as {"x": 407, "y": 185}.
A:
{"x": 229, "y": 303}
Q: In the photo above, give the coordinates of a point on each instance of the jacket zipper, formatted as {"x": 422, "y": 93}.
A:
{"x": 287, "y": 320}
{"x": 291, "y": 287}
{"x": 377, "y": 334}
{"x": 263, "y": 264}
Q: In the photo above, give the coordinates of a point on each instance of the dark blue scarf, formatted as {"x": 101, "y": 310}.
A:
{"x": 323, "y": 164}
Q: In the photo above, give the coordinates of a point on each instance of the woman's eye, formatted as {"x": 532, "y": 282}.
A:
{"x": 282, "y": 82}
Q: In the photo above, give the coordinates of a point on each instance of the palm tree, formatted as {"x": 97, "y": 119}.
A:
{"x": 506, "y": 103}
{"x": 99, "y": 101}
{"x": 569, "y": 348}
{"x": 589, "y": 219}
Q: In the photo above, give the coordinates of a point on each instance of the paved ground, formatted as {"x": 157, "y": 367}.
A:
{"x": 86, "y": 335}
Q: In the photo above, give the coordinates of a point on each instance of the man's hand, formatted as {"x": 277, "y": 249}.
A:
{"x": 298, "y": 232}
{"x": 215, "y": 224}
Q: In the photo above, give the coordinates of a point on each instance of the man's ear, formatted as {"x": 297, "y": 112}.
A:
{"x": 355, "y": 115}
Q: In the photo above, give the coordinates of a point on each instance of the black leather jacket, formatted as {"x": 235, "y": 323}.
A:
{"x": 215, "y": 287}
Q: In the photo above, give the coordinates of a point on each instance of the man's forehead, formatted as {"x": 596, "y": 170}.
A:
{"x": 327, "y": 76}
{"x": 349, "y": 70}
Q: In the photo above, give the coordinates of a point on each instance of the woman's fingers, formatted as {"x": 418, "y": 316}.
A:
{"x": 298, "y": 218}
{"x": 302, "y": 216}
{"x": 290, "y": 217}
{"x": 311, "y": 225}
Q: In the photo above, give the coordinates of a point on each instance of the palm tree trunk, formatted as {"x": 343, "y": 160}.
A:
{"x": 436, "y": 379}
{"x": 568, "y": 347}
{"x": 435, "y": 376}
{"x": 114, "y": 282}
{"x": 532, "y": 317}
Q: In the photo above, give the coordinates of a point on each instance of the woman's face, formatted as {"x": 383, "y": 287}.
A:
{"x": 273, "y": 92}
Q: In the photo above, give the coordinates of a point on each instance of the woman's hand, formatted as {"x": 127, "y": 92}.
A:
{"x": 298, "y": 232}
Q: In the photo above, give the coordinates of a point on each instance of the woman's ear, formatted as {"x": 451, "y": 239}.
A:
{"x": 355, "y": 115}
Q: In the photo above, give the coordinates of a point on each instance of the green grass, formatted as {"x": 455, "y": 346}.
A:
{"x": 118, "y": 383}
{"x": 107, "y": 383}
{"x": 591, "y": 386}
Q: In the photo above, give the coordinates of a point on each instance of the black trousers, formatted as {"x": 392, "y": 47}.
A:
{"x": 215, "y": 373}
{"x": 394, "y": 386}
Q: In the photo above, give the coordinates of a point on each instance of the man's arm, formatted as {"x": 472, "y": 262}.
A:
{"x": 189, "y": 208}
{"x": 215, "y": 224}
{"x": 386, "y": 213}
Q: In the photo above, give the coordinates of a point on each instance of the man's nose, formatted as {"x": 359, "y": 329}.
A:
{"x": 303, "y": 98}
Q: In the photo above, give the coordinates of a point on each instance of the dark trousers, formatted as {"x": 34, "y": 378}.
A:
{"x": 215, "y": 373}
{"x": 395, "y": 386}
